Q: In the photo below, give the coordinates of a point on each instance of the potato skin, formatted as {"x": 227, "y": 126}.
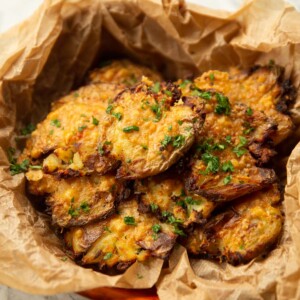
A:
{"x": 262, "y": 88}
{"x": 242, "y": 231}
{"x": 115, "y": 243}
{"x": 67, "y": 142}
{"x": 164, "y": 195}
{"x": 151, "y": 131}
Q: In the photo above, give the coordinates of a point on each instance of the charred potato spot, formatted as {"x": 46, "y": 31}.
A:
{"x": 123, "y": 72}
{"x": 151, "y": 133}
{"x": 123, "y": 239}
{"x": 165, "y": 196}
{"x": 242, "y": 232}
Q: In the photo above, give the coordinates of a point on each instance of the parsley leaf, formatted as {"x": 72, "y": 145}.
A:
{"x": 178, "y": 141}
{"x": 28, "y": 129}
{"x": 19, "y": 168}
{"x": 184, "y": 83}
{"x": 156, "y": 228}
{"x": 223, "y": 106}
{"x": 109, "y": 109}
{"x": 95, "y": 121}
{"x": 167, "y": 140}
{"x": 212, "y": 162}
{"x": 55, "y": 123}
{"x": 153, "y": 207}
{"x": 81, "y": 128}
{"x": 107, "y": 256}
{"x": 212, "y": 76}
{"x": 129, "y": 221}
{"x": 156, "y": 87}
{"x": 131, "y": 128}
{"x": 227, "y": 179}
{"x": 227, "y": 166}
{"x": 249, "y": 111}
{"x": 85, "y": 206}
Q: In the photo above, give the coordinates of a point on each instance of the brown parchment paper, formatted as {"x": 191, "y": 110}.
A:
{"x": 50, "y": 53}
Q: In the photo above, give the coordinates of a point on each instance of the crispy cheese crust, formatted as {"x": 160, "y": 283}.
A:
{"x": 221, "y": 167}
{"x": 243, "y": 231}
{"x": 165, "y": 196}
{"x": 80, "y": 200}
{"x": 69, "y": 137}
{"x": 123, "y": 72}
{"x": 122, "y": 239}
{"x": 260, "y": 88}
{"x": 148, "y": 130}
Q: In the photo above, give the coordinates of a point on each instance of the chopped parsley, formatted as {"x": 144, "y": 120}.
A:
{"x": 212, "y": 162}
{"x": 239, "y": 151}
{"x": 129, "y": 221}
{"x": 167, "y": 140}
{"x": 144, "y": 147}
{"x": 117, "y": 115}
{"x": 109, "y": 109}
{"x": 180, "y": 122}
{"x": 128, "y": 160}
{"x": 190, "y": 201}
{"x": 28, "y": 129}
{"x": 179, "y": 231}
{"x": 101, "y": 150}
{"x": 228, "y": 139}
{"x": 249, "y": 111}
{"x": 73, "y": 212}
{"x": 212, "y": 76}
{"x": 157, "y": 110}
{"x": 36, "y": 167}
{"x": 85, "y": 206}
{"x": 107, "y": 256}
{"x": 156, "y": 228}
{"x": 76, "y": 94}
{"x": 81, "y": 128}
{"x": 51, "y": 131}
{"x": 227, "y": 179}
{"x": 223, "y": 106}
{"x": 170, "y": 128}
{"x": 227, "y": 166}
{"x": 18, "y": 168}
{"x": 55, "y": 123}
{"x": 168, "y": 93}
{"x": 131, "y": 128}
{"x": 184, "y": 83}
{"x": 95, "y": 121}
{"x": 156, "y": 87}
{"x": 178, "y": 141}
{"x": 154, "y": 207}
{"x": 106, "y": 228}
{"x": 204, "y": 95}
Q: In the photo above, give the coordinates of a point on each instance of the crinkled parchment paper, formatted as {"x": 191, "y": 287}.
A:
{"x": 50, "y": 53}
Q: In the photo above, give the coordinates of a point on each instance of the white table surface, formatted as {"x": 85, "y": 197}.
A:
{"x": 13, "y": 12}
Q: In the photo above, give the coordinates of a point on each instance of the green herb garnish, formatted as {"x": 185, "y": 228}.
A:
{"x": 227, "y": 166}
{"x": 223, "y": 106}
{"x": 95, "y": 121}
{"x": 129, "y": 221}
{"x": 107, "y": 256}
{"x": 28, "y": 129}
{"x": 156, "y": 228}
{"x": 55, "y": 123}
{"x": 178, "y": 141}
{"x": 131, "y": 128}
{"x": 227, "y": 179}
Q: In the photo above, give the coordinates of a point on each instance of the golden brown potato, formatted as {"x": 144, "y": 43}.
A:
{"x": 165, "y": 196}
{"x": 80, "y": 200}
{"x": 69, "y": 137}
{"x": 122, "y": 239}
{"x": 241, "y": 232}
{"x": 261, "y": 89}
{"x": 221, "y": 167}
{"x": 123, "y": 72}
{"x": 148, "y": 130}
